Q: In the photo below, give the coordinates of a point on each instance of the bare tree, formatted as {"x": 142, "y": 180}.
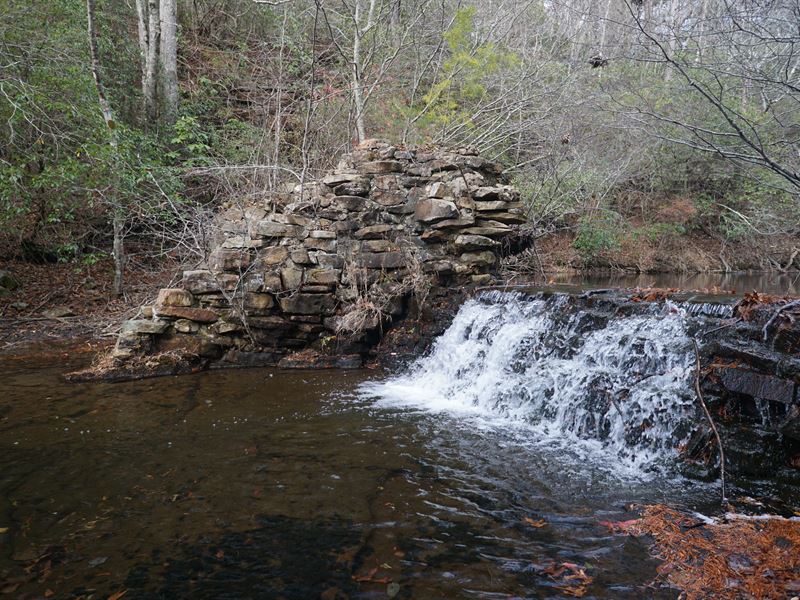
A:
{"x": 108, "y": 116}
{"x": 370, "y": 36}
{"x": 157, "y": 24}
{"x": 754, "y": 52}
{"x": 169, "y": 60}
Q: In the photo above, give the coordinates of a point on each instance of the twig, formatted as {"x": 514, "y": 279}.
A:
{"x": 42, "y": 303}
{"x": 710, "y": 420}
{"x": 776, "y": 315}
{"x": 726, "y": 325}
{"x": 790, "y": 262}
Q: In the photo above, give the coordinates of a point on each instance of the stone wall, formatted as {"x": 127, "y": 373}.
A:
{"x": 328, "y": 266}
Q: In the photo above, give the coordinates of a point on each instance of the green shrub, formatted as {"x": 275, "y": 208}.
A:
{"x": 597, "y": 234}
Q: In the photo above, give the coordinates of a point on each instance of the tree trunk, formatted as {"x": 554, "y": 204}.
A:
{"x": 169, "y": 61}
{"x": 108, "y": 117}
{"x": 150, "y": 83}
{"x": 119, "y": 251}
{"x": 358, "y": 99}
{"x": 142, "y": 27}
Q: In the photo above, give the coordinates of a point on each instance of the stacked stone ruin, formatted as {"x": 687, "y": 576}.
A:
{"x": 284, "y": 275}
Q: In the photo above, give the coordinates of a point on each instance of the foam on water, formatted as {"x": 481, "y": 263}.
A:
{"x": 615, "y": 390}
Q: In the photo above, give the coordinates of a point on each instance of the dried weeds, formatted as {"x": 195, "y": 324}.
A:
{"x": 374, "y": 300}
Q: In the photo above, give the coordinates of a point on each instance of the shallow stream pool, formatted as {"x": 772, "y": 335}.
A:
{"x": 268, "y": 484}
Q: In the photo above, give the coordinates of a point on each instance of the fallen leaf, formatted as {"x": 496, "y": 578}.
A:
{"x": 619, "y": 525}
{"x": 534, "y": 523}
{"x": 117, "y": 595}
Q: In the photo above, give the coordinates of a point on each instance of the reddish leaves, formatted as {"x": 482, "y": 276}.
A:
{"x": 571, "y": 578}
{"x": 620, "y": 526}
{"x": 534, "y": 522}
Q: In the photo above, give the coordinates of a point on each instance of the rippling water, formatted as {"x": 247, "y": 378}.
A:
{"x": 263, "y": 484}
{"x": 610, "y": 389}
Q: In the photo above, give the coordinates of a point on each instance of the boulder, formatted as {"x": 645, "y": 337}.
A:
{"x": 174, "y": 297}
{"x": 206, "y": 282}
{"x": 59, "y": 312}
{"x": 353, "y": 188}
{"x": 272, "y": 229}
{"x": 486, "y": 258}
{"x": 349, "y": 203}
{"x": 475, "y": 242}
{"x": 258, "y": 301}
{"x": 310, "y": 359}
{"x": 309, "y": 304}
{"x": 186, "y": 326}
{"x": 379, "y": 167}
{"x": 320, "y": 244}
{"x": 373, "y": 232}
{"x": 459, "y": 223}
{"x": 488, "y": 231}
{"x": 225, "y": 259}
{"x": 142, "y": 327}
{"x": 492, "y": 205}
{"x": 757, "y": 385}
{"x": 336, "y": 178}
{"x": 328, "y": 261}
{"x": 292, "y": 278}
{"x": 377, "y": 246}
{"x": 301, "y": 257}
{"x": 271, "y": 256}
{"x": 438, "y": 190}
{"x": 323, "y": 277}
{"x": 382, "y": 260}
{"x": 432, "y": 209}
{"x": 322, "y": 234}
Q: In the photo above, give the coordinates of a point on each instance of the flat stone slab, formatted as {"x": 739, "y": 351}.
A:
{"x": 757, "y": 385}
{"x": 199, "y": 315}
{"x": 315, "y": 360}
{"x": 174, "y": 297}
{"x": 382, "y": 260}
{"x": 309, "y": 304}
{"x": 144, "y": 327}
{"x": 431, "y": 210}
{"x": 475, "y": 242}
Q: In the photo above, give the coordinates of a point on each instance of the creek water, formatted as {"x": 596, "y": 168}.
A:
{"x": 477, "y": 473}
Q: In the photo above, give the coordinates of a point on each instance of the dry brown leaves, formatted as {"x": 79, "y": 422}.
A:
{"x": 737, "y": 558}
{"x": 570, "y": 578}
{"x": 754, "y": 300}
{"x": 652, "y": 294}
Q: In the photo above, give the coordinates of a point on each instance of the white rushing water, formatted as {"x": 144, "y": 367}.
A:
{"x": 612, "y": 389}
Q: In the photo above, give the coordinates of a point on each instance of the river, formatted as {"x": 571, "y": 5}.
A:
{"x": 320, "y": 484}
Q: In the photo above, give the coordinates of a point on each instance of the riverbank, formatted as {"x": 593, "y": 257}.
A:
{"x": 641, "y": 249}
{"x": 60, "y": 303}
{"x": 68, "y": 305}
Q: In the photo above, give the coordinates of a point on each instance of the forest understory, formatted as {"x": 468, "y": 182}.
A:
{"x": 644, "y": 137}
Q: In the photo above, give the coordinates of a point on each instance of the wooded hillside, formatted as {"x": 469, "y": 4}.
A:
{"x": 627, "y": 125}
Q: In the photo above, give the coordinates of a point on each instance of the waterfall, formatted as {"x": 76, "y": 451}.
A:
{"x": 615, "y": 385}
